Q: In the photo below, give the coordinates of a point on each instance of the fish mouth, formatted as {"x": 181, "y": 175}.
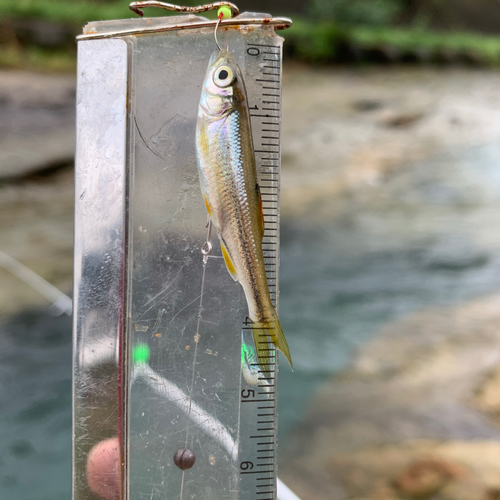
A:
{"x": 223, "y": 55}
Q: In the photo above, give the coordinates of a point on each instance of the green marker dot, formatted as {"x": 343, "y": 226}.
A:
{"x": 225, "y": 11}
{"x": 140, "y": 353}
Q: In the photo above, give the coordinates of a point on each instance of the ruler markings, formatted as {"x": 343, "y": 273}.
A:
{"x": 262, "y": 45}
{"x": 267, "y": 162}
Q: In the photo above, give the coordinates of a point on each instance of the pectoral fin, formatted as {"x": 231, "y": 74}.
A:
{"x": 228, "y": 261}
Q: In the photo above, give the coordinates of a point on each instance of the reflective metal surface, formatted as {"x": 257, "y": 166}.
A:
{"x": 100, "y": 252}
{"x": 140, "y": 226}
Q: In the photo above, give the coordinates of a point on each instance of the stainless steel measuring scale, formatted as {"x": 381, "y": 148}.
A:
{"x": 138, "y": 296}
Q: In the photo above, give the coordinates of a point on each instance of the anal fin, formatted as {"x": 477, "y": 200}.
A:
{"x": 208, "y": 206}
{"x": 228, "y": 261}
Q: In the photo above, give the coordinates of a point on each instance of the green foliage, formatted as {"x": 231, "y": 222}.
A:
{"x": 485, "y": 49}
{"x": 320, "y": 42}
{"x": 314, "y": 42}
{"x": 340, "y": 27}
{"x": 36, "y": 58}
{"x": 77, "y": 12}
{"x": 369, "y": 12}
{"x": 74, "y": 11}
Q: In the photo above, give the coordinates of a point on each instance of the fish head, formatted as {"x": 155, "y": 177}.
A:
{"x": 223, "y": 87}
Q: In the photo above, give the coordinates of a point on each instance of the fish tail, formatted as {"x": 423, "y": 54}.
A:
{"x": 270, "y": 330}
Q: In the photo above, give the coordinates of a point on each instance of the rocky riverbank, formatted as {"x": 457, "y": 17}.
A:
{"x": 415, "y": 417}
{"x": 390, "y": 203}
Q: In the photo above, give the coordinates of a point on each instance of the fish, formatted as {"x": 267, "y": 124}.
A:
{"x": 228, "y": 180}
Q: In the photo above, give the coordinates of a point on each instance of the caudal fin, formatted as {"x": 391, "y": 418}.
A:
{"x": 266, "y": 331}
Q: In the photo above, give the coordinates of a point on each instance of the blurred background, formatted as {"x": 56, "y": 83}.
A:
{"x": 390, "y": 258}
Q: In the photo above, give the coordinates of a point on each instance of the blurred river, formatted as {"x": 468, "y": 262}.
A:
{"x": 368, "y": 242}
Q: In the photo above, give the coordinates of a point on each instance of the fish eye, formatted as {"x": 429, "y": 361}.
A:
{"x": 223, "y": 76}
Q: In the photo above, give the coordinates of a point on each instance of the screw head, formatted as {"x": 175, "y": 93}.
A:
{"x": 184, "y": 458}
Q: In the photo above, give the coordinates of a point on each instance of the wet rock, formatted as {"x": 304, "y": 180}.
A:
{"x": 426, "y": 477}
{"x": 487, "y": 397}
{"x": 37, "y": 130}
{"x": 36, "y": 227}
{"x": 403, "y": 417}
{"x": 397, "y": 119}
{"x": 368, "y": 148}
{"x": 23, "y": 157}
{"x": 367, "y": 105}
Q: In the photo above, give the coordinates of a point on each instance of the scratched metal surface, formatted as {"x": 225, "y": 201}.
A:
{"x": 100, "y": 249}
{"x": 168, "y": 221}
{"x": 167, "y": 230}
{"x": 158, "y": 288}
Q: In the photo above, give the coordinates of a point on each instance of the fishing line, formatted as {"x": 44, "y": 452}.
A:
{"x": 206, "y": 249}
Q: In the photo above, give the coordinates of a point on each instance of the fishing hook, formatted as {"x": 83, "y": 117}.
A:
{"x": 206, "y": 249}
{"x": 219, "y": 19}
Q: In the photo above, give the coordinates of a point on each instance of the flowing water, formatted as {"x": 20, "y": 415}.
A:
{"x": 425, "y": 237}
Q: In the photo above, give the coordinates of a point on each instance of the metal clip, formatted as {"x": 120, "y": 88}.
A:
{"x": 137, "y": 6}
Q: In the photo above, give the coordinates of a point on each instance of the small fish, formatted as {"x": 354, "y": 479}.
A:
{"x": 228, "y": 178}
